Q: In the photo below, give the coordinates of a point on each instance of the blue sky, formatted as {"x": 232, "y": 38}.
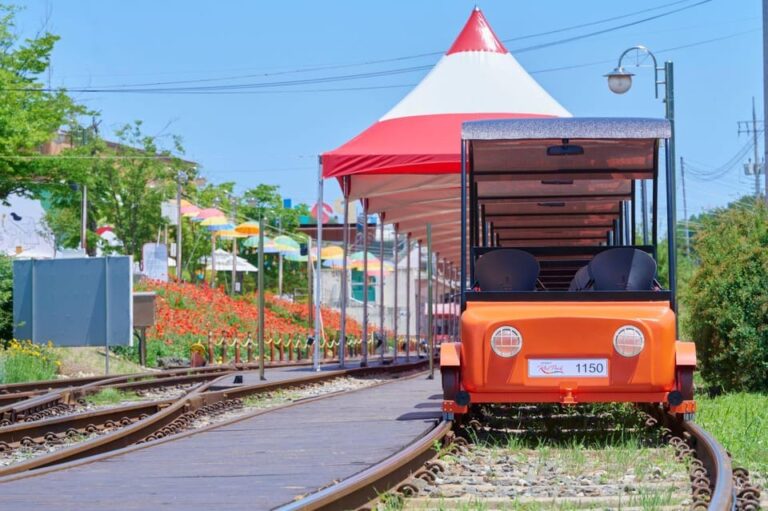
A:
{"x": 274, "y": 137}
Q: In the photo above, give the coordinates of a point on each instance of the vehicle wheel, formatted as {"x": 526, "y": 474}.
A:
{"x": 684, "y": 377}
{"x": 451, "y": 382}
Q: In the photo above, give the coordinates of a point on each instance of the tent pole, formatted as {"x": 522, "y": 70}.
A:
{"x": 280, "y": 274}
{"x": 234, "y": 264}
{"x": 430, "y": 336}
{"x": 345, "y": 250}
{"x": 449, "y": 301}
{"x": 408, "y": 298}
{"x": 441, "y": 292}
{"x": 260, "y": 281}
{"x": 463, "y": 253}
{"x": 396, "y": 315}
{"x": 364, "y": 361}
{"x": 213, "y": 259}
{"x": 381, "y": 287}
{"x": 318, "y": 277}
{"x": 419, "y": 306}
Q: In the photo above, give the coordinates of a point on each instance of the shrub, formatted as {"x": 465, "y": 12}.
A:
{"x": 6, "y": 298}
{"x": 23, "y": 361}
{"x": 728, "y": 297}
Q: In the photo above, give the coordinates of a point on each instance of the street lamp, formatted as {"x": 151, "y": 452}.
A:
{"x": 620, "y": 81}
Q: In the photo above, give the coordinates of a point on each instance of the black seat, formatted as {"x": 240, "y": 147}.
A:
{"x": 581, "y": 281}
{"x": 507, "y": 269}
{"x": 622, "y": 269}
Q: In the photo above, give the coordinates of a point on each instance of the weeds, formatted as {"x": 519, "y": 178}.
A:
{"x": 110, "y": 397}
{"x": 23, "y": 361}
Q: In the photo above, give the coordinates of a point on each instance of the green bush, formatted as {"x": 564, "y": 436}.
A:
{"x": 6, "y": 298}
{"x": 727, "y": 297}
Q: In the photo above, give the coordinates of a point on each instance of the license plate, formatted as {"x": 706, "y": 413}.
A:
{"x": 568, "y": 367}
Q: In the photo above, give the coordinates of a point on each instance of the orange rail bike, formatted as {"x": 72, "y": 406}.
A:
{"x": 562, "y": 302}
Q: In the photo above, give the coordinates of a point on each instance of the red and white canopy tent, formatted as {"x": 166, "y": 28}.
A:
{"x": 406, "y": 166}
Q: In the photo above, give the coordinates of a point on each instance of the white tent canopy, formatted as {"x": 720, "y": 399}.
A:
{"x": 223, "y": 261}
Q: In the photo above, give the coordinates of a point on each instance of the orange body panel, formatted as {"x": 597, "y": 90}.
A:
{"x": 450, "y": 354}
{"x": 563, "y": 330}
{"x": 685, "y": 354}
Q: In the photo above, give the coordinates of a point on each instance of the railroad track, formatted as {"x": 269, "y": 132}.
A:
{"x": 40, "y": 400}
{"x": 714, "y": 484}
{"x": 123, "y": 426}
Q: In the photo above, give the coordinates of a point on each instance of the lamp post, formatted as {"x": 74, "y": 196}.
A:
{"x": 620, "y": 81}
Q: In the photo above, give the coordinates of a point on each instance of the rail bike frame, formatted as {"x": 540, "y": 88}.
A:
{"x": 520, "y": 171}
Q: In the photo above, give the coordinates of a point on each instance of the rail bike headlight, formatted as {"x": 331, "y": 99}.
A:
{"x": 628, "y": 341}
{"x": 506, "y": 342}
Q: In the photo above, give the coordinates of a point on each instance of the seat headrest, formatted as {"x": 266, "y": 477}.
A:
{"x": 507, "y": 269}
{"x": 622, "y": 269}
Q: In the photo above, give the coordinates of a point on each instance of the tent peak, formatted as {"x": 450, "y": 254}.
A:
{"x": 477, "y": 35}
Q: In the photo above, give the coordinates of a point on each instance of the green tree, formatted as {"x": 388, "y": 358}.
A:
{"x": 30, "y": 115}
{"x": 727, "y": 296}
{"x": 127, "y": 182}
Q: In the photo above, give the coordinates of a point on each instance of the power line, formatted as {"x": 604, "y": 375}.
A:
{"x": 418, "y": 55}
{"x": 611, "y": 29}
{"x": 139, "y": 88}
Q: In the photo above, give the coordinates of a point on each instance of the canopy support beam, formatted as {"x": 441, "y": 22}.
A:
{"x": 382, "y": 331}
{"x": 364, "y": 361}
{"x": 395, "y": 314}
{"x": 430, "y": 304}
{"x": 318, "y": 276}
{"x": 408, "y": 298}
{"x": 344, "y": 292}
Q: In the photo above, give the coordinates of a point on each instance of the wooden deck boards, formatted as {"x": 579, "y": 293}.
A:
{"x": 259, "y": 463}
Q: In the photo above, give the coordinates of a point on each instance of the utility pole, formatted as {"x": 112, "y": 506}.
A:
{"x": 753, "y": 167}
{"x": 765, "y": 88}
{"x": 84, "y": 218}
{"x": 179, "y": 268}
{"x": 685, "y": 210}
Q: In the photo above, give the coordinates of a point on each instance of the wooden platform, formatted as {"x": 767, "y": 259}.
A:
{"x": 257, "y": 463}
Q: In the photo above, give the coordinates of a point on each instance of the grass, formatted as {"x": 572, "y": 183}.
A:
{"x": 90, "y": 362}
{"x": 23, "y": 368}
{"x": 270, "y": 399}
{"x": 739, "y": 421}
{"x": 647, "y": 501}
{"x": 110, "y": 397}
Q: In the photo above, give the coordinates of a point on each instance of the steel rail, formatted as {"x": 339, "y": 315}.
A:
{"x": 14, "y": 389}
{"x": 30, "y": 398}
{"x": 24, "y": 433}
{"x": 367, "y": 485}
{"x": 23, "y": 409}
{"x": 715, "y": 459}
{"x": 169, "y": 419}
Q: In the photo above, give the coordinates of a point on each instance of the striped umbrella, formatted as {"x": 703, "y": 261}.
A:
{"x": 249, "y": 228}
{"x": 208, "y": 213}
{"x": 286, "y": 244}
{"x": 230, "y": 234}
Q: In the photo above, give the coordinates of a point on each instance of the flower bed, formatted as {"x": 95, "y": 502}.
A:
{"x": 186, "y": 314}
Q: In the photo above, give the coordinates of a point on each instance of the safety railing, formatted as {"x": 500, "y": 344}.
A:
{"x": 280, "y": 348}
